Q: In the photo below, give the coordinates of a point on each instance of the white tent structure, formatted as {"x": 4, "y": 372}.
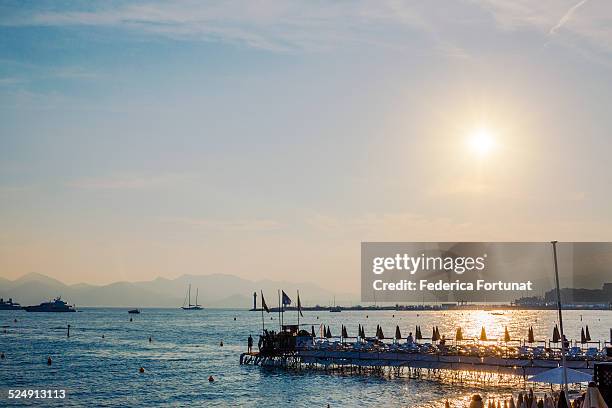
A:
{"x": 555, "y": 376}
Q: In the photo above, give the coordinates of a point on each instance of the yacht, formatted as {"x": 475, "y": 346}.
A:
{"x": 9, "y": 305}
{"x": 56, "y": 305}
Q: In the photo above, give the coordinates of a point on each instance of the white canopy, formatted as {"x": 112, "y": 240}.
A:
{"x": 555, "y": 376}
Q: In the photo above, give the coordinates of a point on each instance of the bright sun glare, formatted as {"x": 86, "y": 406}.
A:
{"x": 481, "y": 141}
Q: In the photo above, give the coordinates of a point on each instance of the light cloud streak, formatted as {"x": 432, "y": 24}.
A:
{"x": 566, "y": 17}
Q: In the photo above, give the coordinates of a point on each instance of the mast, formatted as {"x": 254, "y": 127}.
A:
{"x": 190, "y": 295}
{"x": 554, "y": 245}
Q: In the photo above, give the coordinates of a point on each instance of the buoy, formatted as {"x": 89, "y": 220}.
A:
{"x": 130, "y": 319}
{"x": 234, "y": 319}
{"x": 1, "y": 356}
{"x": 102, "y": 336}
{"x": 141, "y": 370}
{"x": 367, "y": 316}
{"x": 221, "y": 344}
{"x": 211, "y": 378}
{"x": 15, "y": 321}
{"x": 150, "y": 340}
{"x": 49, "y": 361}
{"x": 393, "y": 315}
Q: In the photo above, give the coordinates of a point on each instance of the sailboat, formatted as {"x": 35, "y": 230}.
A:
{"x": 189, "y": 305}
{"x": 335, "y": 308}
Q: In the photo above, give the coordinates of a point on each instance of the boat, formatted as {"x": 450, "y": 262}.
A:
{"x": 334, "y": 308}
{"x": 188, "y": 299}
{"x": 9, "y": 305}
{"x": 56, "y": 305}
{"x": 134, "y": 311}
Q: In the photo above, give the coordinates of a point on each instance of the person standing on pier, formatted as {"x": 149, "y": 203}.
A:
{"x": 410, "y": 339}
{"x": 250, "y": 343}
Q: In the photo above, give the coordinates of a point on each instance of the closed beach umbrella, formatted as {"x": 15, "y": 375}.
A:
{"x": 483, "y": 334}
{"x": 459, "y": 335}
{"x": 362, "y": 332}
{"x": 344, "y": 332}
{"x": 380, "y": 333}
{"x": 593, "y": 398}
{"x": 313, "y": 332}
{"x": 329, "y": 335}
{"x": 587, "y": 334}
{"x": 511, "y": 402}
{"x": 519, "y": 401}
{"x": 562, "y": 403}
{"x": 398, "y": 334}
{"x": 582, "y": 336}
{"x": 506, "y": 335}
{"x": 418, "y": 334}
{"x": 447, "y": 404}
{"x": 556, "y": 336}
{"x": 530, "y": 338}
{"x": 434, "y": 335}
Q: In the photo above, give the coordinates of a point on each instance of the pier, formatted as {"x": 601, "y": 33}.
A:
{"x": 292, "y": 350}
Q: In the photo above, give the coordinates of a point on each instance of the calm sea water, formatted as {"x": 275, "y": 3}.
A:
{"x": 185, "y": 350}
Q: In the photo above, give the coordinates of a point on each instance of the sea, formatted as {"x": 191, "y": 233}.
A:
{"x": 99, "y": 364}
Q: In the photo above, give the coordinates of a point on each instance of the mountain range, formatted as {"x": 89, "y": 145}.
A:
{"x": 214, "y": 290}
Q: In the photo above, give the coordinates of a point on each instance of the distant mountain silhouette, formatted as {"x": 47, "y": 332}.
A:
{"x": 215, "y": 290}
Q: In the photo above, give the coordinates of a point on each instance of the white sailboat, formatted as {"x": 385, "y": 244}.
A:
{"x": 188, "y": 299}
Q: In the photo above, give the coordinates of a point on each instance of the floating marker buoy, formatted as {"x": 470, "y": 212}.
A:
{"x": 393, "y": 315}
{"x": 1, "y": 356}
{"x": 234, "y": 319}
{"x": 130, "y": 319}
{"x": 102, "y": 336}
{"x": 150, "y": 339}
{"x": 221, "y": 344}
{"x": 49, "y": 361}
{"x": 141, "y": 370}
{"x": 367, "y": 316}
{"x": 211, "y": 378}
{"x": 15, "y": 321}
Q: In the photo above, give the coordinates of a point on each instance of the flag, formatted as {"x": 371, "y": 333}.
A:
{"x": 263, "y": 303}
{"x": 286, "y": 299}
{"x": 299, "y": 305}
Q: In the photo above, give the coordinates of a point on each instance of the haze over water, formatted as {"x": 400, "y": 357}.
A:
{"x": 185, "y": 350}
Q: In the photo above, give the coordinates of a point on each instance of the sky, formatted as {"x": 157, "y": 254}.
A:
{"x": 268, "y": 139}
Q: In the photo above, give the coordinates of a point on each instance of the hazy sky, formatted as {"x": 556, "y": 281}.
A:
{"x": 268, "y": 139}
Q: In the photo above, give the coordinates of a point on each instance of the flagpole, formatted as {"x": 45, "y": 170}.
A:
{"x": 554, "y": 244}
{"x": 298, "y": 309}
{"x": 263, "y": 325}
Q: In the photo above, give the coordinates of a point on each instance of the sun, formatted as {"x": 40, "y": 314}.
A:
{"x": 481, "y": 141}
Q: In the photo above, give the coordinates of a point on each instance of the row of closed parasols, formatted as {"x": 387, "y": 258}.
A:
{"x": 585, "y": 336}
{"x": 592, "y": 398}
